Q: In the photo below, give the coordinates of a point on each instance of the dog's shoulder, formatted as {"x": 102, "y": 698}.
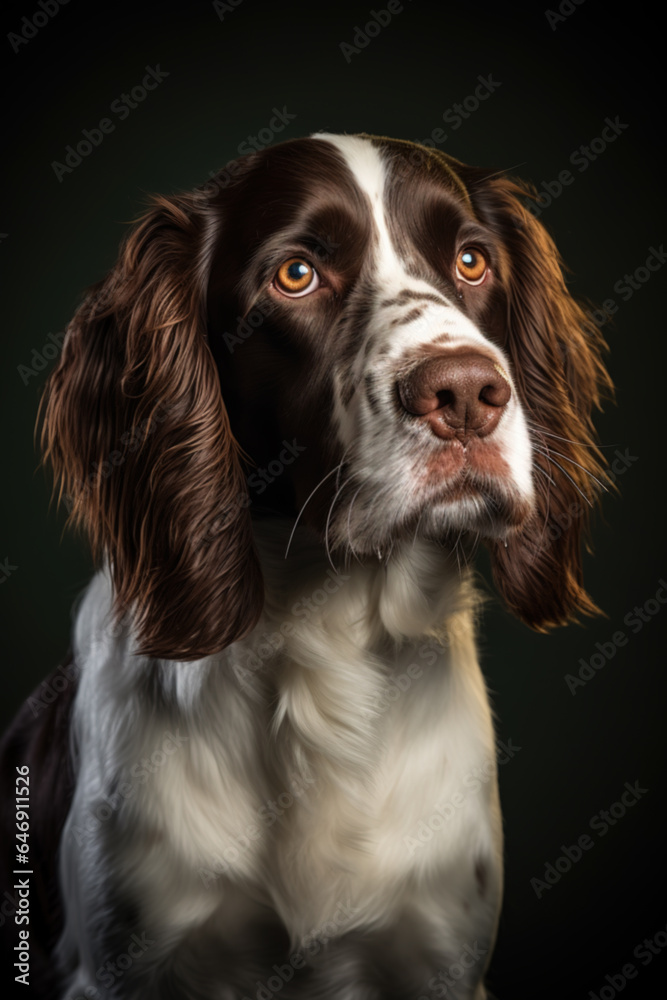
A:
{"x": 36, "y": 765}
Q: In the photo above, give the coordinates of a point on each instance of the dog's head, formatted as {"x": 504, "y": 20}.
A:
{"x": 382, "y": 329}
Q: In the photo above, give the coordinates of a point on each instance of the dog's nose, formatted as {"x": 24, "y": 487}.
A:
{"x": 460, "y": 396}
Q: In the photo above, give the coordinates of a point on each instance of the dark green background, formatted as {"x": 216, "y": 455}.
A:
{"x": 557, "y": 87}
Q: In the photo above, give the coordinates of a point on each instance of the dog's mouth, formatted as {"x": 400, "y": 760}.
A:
{"x": 469, "y": 485}
{"x": 482, "y": 504}
{"x": 473, "y": 497}
{"x": 461, "y": 464}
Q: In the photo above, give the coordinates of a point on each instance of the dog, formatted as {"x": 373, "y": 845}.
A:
{"x": 304, "y": 395}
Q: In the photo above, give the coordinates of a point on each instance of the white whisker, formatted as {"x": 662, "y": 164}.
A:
{"x": 349, "y": 529}
{"x": 565, "y": 473}
{"x": 326, "y": 528}
{"x": 583, "y": 469}
{"x": 308, "y": 499}
{"x": 580, "y": 444}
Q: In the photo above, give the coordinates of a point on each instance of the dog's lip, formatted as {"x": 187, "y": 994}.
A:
{"x": 477, "y": 459}
{"x": 476, "y": 474}
{"x": 463, "y": 487}
{"x": 499, "y": 499}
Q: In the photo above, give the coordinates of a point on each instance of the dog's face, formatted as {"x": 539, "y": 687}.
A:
{"x": 400, "y": 317}
{"x": 372, "y": 291}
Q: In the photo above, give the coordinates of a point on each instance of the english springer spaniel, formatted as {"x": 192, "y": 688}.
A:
{"x": 302, "y": 397}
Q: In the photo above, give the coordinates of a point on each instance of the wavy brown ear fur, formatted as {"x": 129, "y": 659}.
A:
{"x": 136, "y": 431}
{"x": 556, "y": 351}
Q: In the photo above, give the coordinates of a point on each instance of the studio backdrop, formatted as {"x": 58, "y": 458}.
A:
{"x": 107, "y": 103}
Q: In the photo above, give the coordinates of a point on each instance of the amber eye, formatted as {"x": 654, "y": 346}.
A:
{"x": 296, "y": 277}
{"x": 471, "y": 265}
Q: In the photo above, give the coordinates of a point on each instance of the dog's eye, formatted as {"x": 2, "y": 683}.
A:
{"x": 471, "y": 265}
{"x": 296, "y": 277}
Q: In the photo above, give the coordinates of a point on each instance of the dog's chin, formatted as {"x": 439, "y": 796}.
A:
{"x": 486, "y": 516}
{"x": 491, "y": 509}
{"x": 493, "y": 512}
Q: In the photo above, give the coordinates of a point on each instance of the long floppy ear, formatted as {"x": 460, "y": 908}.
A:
{"x": 136, "y": 431}
{"x": 556, "y": 352}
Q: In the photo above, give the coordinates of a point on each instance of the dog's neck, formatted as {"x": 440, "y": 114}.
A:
{"x": 402, "y": 595}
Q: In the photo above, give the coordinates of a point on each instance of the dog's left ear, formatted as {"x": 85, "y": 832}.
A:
{"x": 136, "y": 431}
{"x": 556, "y": 352}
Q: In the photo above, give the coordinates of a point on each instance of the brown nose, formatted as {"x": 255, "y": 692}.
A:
{"x": 460, "y": 396}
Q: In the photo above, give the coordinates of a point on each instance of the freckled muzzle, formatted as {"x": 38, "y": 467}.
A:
{"x": 460, "y": 396}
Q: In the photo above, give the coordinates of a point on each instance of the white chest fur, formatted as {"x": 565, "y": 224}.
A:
{"x": 321, "y": 765}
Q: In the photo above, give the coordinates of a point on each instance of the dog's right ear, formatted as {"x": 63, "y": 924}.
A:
{"x": 557, "y": 355}
{"x": 136, "y": 431}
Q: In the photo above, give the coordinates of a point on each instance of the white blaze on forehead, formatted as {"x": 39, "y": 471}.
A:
{"x": 368, "y": 167}
{"x": 369, "y": 171}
